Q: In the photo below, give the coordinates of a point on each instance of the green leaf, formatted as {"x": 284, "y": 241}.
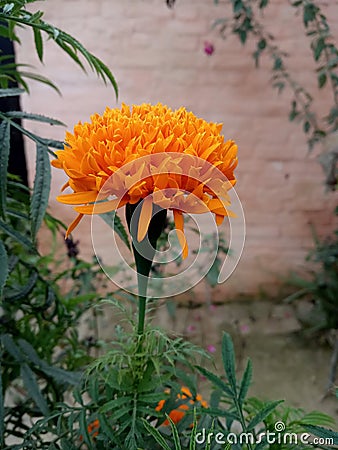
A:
{"x": 306, "y": 126}
{"x": 106, "y": 428}
{"x": 113, "y": 220}
{"x": 261, "y": 44}
{"x": 37, "y": 117}
{"x": 309, "y": 13}
{"x": 67, "y": 445}
{"x": 115, "y": 404}
{"x": 156, "y": 435}
{"x": 322, "y": 78}
{"x": 213, "y": 273}
{"x": 318, "y": 48}
{"x": 263, "y": 414}
{"x": 17, "y": 236}
{"x": 228, "y": 356}
{"x": 84, "y": 427}
{"x": 12, "y": 348}
{"x": 175, "y": 434}
{"x": 317, "y": 418}
{"x": 237, "y": 6}
{"x": 245, "y": 384}
{"x": 323, "y": 433}
{"x": 33, "y": 389}
{"x": 3, "y": 267}
{"x": 192, "y": 445}
{"x": 39, "y": 200}
{"x": 25, "y": 290}
{"x": 39, "y": 78}
{"x": 151, "y": 397}
{"x": 59, "y": 375}
{"x": 38, "y": 43}
{"x": 216, "y": 381}
{"x": 2, "y": 411}
{"x": 4, "y": 157}
{"x": 11, "y": 92}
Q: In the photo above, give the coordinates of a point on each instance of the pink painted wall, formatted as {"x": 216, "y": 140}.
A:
{"x": 156, "y": 54}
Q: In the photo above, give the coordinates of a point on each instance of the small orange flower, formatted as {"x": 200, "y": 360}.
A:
{"x": 93, "y": 429}
{"x": 177, "y": 414}
{"x": 168, "y": 158}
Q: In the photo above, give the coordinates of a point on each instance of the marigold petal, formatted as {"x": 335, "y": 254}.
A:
{"x": 179, "y": 225}
{"x": 145, "y": 217}
{"x": 73, "y": 225}
{"x": 78, "y": 197}
{"x": 100, "y": 208}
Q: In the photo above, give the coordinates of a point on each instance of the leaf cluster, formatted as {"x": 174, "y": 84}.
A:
{"x": 246, "y": 23}
{"x": 321, "y": 287}
{"x": 120, "y": 393}
{"x": 232, "y": 413}
{"x": 14, "y": 14}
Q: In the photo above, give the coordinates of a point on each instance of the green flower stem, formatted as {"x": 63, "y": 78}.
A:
{"x": 144, "y": 263}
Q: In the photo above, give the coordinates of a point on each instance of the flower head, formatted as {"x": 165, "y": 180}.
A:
{"x": 185, "y": 400}
{"x": 209, "y": 48}
{"x": 168, "y": 158}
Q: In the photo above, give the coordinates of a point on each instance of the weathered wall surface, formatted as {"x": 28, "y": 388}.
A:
{"x": 156, "y": 54}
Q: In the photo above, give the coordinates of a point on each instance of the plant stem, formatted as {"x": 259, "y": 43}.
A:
{"x": 143, "y": 262}
{"x": 142, "y": 301}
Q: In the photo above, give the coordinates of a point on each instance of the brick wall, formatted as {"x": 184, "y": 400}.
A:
{"x": 156, "y": 54}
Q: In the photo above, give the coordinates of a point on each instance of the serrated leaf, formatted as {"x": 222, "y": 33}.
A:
{"x": 115, "y": 404}
{"x": 245, "y": 383}
{"x": 11, "y": 92}
{"x": 38, "y": 43}
{"x": 84, "y": 427}
{"x": 25, "y": 290}
{"x": 192, "y": 445}
{"x": 36, "y": 117}
{"x": 4, "y": 157}
{"x": 216, "y": 381}
{"x": 317, "y": 418}
{"x": 33, "y": 389}
{"x": 3, "y": 267}
{"x": 156, "y": 435}
{"x": 323, "y": 433}
{"x": 59, "y": 375}
{"x": 175, "y": 434}
{"x": 39, "y": 78}
{"x": 107, "y": 428}
{"x": 39, "y": 200}
{"x": 17, "y": 236}
{"x": 12, "y": 348}
{"x": 2, "y": 411}
{"x": 263, "y": 414}
{"x": 67, "y": 445}
{"x": 151, "y": 397}
{"x": 113, "y": 220}
{"x": 228, "y": 356}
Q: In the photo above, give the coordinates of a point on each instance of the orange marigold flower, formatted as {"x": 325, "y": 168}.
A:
{"x": 169, "y": 158}
{"x": 93, "y": 429}
{"x": 177, "y": 414}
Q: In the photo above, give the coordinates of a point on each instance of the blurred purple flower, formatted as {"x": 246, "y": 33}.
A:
{"x": 191, "y": 328}
{"x": 245, "y": 329}
{"x": 211, "y": 348}
{"x": 208, "y": 48}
